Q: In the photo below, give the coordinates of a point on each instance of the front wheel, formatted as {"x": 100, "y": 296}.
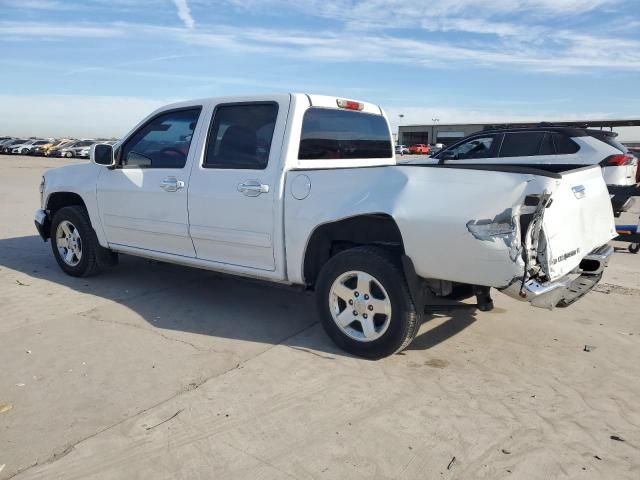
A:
{"x": 68, "y": 155}
{"x": 74, "y": 242}
{"x": 364, "y": 303}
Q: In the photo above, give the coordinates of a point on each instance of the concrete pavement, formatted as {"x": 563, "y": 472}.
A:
{"x": 157, "y": 371}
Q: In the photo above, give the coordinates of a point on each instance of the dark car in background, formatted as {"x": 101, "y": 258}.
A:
{"x": 8, "y": 146}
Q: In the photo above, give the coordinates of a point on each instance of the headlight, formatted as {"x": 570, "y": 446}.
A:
{"x": 42, "y": 193}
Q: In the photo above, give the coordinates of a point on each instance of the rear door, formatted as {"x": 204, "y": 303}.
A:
{"x": 233, "y": 189}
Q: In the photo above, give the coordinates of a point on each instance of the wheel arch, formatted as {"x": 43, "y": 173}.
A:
{"x": 58, "y": 200}
{"x": 330, "y": 238}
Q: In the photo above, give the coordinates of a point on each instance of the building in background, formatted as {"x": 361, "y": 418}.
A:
{"x": 451, "y": 133}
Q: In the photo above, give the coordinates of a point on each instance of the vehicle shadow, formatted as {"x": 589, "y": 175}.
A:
{"x": 183, "y": 299}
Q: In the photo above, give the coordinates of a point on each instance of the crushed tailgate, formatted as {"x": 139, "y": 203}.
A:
{"x": 578, "y": 220}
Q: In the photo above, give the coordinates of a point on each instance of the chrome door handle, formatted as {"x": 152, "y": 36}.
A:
{"x": 253, "y": 188}
{"x": 171, "y": 184}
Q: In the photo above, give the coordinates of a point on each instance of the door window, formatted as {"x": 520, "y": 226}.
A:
{"x": 240, "y": 136}
{"x": 163, "y": 142}
{"x": 521, "y": 144}
{"x": 479, "y": 147}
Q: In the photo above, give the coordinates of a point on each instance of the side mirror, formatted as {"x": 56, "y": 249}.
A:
{"x": 102, "y": 154}
{"x": 447, "y": 155}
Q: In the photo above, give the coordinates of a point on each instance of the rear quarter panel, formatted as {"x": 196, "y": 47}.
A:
{"x": 432, "y": 206}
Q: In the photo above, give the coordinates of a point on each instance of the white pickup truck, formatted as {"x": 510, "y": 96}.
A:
{"x": 305, "y": 190}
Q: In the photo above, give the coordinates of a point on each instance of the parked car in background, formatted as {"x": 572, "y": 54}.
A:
{"x": 27, "y": 149}
{"x": 8, "y": 146}
{"x": 24, "y": 147}
{"x": 401, "y": 149}
{"x": 419, "y": 149}
{"x": 38, "y": 149}
{"x": 78, "y": 148}
{"x": 550, "y": 147}
{"x": 54, "y": 150}
{"x": 435, "y": 148}
{"x": 4, "y": 142}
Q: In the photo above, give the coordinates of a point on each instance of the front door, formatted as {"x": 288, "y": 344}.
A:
{"x": 143, "y": 202}
{"x": 232, "y": 192}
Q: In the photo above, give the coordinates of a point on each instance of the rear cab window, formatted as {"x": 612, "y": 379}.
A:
{"x": 331, "y": 134}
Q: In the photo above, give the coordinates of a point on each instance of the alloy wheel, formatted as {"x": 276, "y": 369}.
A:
{"x": 360, "y": 306}
{"x": 69, "y": 243}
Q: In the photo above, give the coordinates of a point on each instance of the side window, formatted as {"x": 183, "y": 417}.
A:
{"x": 163, "y": 142}
{"x": 564, "y": 145}
{"x": 240, "y": 136}
{"x": 547, "y": 147}
{"x": 521, "y": 144}
{"x": 479, "y": 147}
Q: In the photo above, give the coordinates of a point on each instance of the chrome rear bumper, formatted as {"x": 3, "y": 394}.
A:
{"x": 568, "y": 289}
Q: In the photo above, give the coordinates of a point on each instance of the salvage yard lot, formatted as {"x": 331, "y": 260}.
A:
{"x": 158, "y": 371}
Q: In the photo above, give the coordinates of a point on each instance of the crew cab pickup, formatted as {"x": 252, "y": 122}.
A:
{"x": 305, "y": 190}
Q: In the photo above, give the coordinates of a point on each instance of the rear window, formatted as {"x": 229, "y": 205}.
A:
{"x": 343, "y": 134}
{"x": 525, "y": 144}
{"x": 564, "y": 145}
{"x": 609, "y": 140}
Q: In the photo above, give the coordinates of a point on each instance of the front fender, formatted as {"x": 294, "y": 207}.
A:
{"x": 80, "y": 180}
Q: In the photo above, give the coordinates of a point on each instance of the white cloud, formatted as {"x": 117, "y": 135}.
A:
{"x": 543, "y": 49}
{"x": 184, "y": 12}
{"x": 31, "y": 4}
{"x": 42, "y": 29}
{"x": 403, "y": 12}
{"x": 74, "y": 115}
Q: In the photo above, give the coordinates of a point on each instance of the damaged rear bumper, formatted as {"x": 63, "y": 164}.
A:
{"x": 566, "y": 290}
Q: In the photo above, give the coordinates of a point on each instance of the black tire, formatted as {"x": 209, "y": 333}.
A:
{"x": 91, "y": 250}
{"x": 634, "y": 247}
{"x": 386, "y": 269}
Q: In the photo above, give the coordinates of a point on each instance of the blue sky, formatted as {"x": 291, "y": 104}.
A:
{"x": 95, "y": 67}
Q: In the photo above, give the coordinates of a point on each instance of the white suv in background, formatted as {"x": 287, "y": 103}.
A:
{"x": 551, "y": 148}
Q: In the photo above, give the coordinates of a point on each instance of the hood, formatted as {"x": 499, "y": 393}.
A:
{"x": 69, "y": 171}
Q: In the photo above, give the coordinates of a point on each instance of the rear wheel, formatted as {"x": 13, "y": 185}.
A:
{"x": 364, "y": 303}
{"x": 68, "y": 155}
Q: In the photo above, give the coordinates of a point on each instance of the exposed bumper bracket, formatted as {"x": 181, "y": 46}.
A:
{"x": 43, "y": 224}
{"x": 568, "y": 289}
